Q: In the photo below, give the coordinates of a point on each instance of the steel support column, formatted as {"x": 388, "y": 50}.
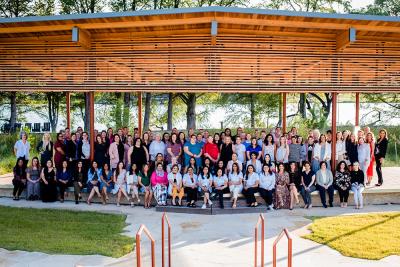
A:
{"x": 333, "y": 143}
{"x": 91, "y": 123}
{"x": 139, "y": 104}
{"x": 68, "y": 108}
{"x": 357, "y": 120}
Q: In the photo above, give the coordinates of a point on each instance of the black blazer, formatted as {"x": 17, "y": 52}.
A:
{"x": 381, "y": 148}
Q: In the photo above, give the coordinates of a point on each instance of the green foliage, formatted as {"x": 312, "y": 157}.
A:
{"x": 326, "y": 6}
{"x": 381, "y": 7}
{"x": 64, "y": 232}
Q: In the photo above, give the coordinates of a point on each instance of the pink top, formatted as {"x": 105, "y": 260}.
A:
{"x": 155, "y": 179}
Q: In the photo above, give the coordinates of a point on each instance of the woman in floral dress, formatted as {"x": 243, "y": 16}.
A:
{"x": 282, "y": 194}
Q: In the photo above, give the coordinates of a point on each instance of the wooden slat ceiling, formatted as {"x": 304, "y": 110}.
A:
{"x": 176, "y": 53}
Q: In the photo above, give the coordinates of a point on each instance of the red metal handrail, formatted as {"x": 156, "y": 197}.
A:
{"x": 143, "y": 229}
{"x": 290, "y": 253}
{"x": 164, "y": 219}
{"x": 261, "y": 221}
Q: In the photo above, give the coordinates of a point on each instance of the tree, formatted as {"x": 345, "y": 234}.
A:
{"x": 129, "y": 5}
{"x": 53, "y": 107}
{"x": 147, "y": 110}
{"x": 81, "y": 6}
{"x": 382, "y": 7}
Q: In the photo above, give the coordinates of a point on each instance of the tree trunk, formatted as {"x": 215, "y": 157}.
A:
{"x": 169, "y": 118}
{"x": 126, "y": 113}
{"x": 302, "y": 105}
{"x": 147, "y": 110}
{"x": 118, "y": 110}
{"x": 13, "y": 111}
{"x": 86, "y": 118}
{"x": 191, "y": 111}
{"x": 252, "y": 111}
{"x": 53, "y": 104}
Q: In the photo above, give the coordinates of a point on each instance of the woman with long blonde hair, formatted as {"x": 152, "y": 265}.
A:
{"x": 45, "y": 149}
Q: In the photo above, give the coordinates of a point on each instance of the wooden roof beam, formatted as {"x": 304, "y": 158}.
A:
{"x": 81, "y": 37}
{"x": 214, "y": 32}
{"x": 345, "y": 38}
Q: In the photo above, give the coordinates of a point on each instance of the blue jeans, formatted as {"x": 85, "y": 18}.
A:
{"x": 306, "y": 194}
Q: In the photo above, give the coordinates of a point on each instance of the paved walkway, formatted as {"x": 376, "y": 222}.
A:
{"x": 207, "y": 241}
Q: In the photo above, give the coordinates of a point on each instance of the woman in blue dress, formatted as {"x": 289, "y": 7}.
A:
{"x": 106, "y": 183}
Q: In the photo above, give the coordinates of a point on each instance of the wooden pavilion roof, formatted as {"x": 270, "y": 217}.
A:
{"x": 201, "y": 49}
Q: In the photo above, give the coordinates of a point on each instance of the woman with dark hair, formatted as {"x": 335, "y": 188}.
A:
{"x": 220, "y": 182}
{"x": 250, "y": 186}
{"x": 175, "y": 185}
{"x": 357, "y": 185}
{"x": 308, "y": 184}
{"x": 144, "y": 182}
{"x": 116, "y": 152}
{"x": 106, "y": 181}
{"x": 282, "y": 193}
{"x": 33, "y": 180}
{"x": 294, "y": 184}
{"x": 228, "y": 132}
{"x": 217, "y": 139}
{"x": 235, "y": 177}
{"x": 269, "y": 147}
{"x": 59, "y": 154}
{"x": 79, "y": 178}
{"x": 93, "y": 182}
{"x": 193, "y": 164}
{"x": 254, "y": 162}
{"x": 146, "y": 140}
{"x": 100, "y": 151}
{"x": 159, "y": 183}
{"x": 205, "y": 184}
{"x": 19, "y": 180}
{"x": 63, "y": 179}
{"x": 253, "y": 148}
{"x": 190, "y": 183}
{"x": 380, "y": 154}
{"x": 269, "y": 162}
{"x": 324, "y": 180}
{"x": 322, "y": 153}
{"x": 267, "y": 185}
{"x": 351, "y": 149}
{"x": 138, "y": 154}
{"x": 174, "y": 149}
{"x": 342, "y": 182}
{"x": 84, "y": 150}
{"x": 166, "y": 138}
{"x": 71, "y": 151}
{"x": 120, "y": 183}
{"x": 48, "y": 189}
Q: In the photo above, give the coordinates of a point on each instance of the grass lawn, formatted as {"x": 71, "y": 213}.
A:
{"x": 370, "y": 236}
{"x": 63, "y": 232}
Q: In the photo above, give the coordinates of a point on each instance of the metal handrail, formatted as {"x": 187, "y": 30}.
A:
{"x": 143, "y": 229}
{"x": 290, "y": 253}
{"x": 261, "y": 221}
{"x": 164, "y": 219}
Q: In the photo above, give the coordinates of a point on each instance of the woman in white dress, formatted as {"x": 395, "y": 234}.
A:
{"x": 205, "y": 185}
{"x": 132, "y": 183}
{"x": 269, "y": 147}
{"x": 120, "y": 183}
{"x": 235, "y": 183}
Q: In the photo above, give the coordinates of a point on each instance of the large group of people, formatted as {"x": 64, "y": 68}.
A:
{"x": 203, "y": 166}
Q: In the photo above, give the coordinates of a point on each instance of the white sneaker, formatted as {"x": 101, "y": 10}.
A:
{"x": 118, "y": 205}
{"x": 132, "y": 204}
{"x": 204, "y": 206}
{"x": 210, "y": 202}
{"x": 271, "y": 207}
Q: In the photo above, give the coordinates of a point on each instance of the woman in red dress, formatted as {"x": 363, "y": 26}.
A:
{"x": 370, "y": 171}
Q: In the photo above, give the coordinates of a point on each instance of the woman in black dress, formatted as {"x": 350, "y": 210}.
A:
{"x": 100, "y": 151}
{"x": 380, "y": 153}
{"x": 49, "y": 184}
{"x": 19, "y": 180}
{"x": 294, "y": 184}
{"x": 45, "y": 149}
{"x": 138, "y": 154}
{"x": 226, "y": 150}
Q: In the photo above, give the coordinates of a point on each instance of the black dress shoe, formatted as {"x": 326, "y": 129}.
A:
{"x": 325, "y": 206}
{"x": 331, "y": 204}
{"x": 378, "y": 184}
